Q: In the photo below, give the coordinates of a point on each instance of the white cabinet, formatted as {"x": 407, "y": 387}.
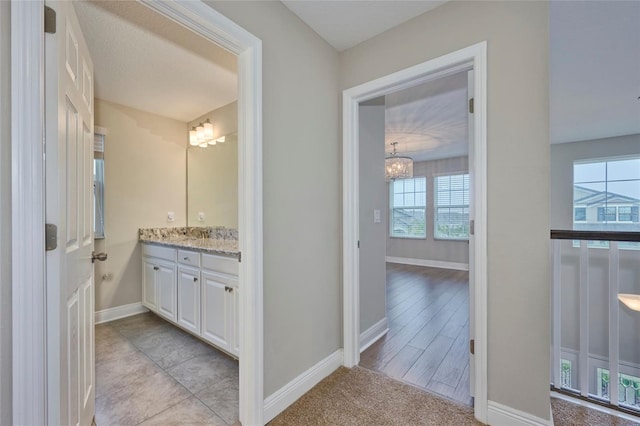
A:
{"x": 159, "y": 291}
{"x": 197, "y": 291}
{"x": 149, "y": 283}
{"x": 219, "y": 326}
{"x": 189, "y": 298}
{"x": 167, "y": 291}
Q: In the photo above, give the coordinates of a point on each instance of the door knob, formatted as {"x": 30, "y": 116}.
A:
{"x": 98, "y": 256}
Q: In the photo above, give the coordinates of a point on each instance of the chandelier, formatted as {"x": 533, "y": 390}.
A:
{"x": 202, "y": 135}
{"x": 397, "y": 166}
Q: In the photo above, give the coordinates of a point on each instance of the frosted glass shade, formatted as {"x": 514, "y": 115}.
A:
{"x": 208, "y": 130}
{"x": 193, "y": 137}
{"x": 200, "y": 133}
{"x": 397, "y": 167}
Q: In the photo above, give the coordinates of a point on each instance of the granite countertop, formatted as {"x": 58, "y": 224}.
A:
{"x": 206, "y": 245}
{"x": 215, "y": 240}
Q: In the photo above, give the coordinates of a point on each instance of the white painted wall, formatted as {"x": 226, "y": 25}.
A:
{"x": 145, "y": 177}
{"x": 373, "y": 190}
{"x": 5, "y": 216}
{"x": 517, "y": 35}
{"x": 429, "y": 248}
{"x": 301, "y": 180}
{"x": 562, "y": 158}
{"x": 212, "y": 172}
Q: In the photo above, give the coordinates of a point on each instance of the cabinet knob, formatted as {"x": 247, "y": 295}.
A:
{"x": 187, "y": 259}
{"x": 195, "y": 279}
{"x": 156, "y": 268}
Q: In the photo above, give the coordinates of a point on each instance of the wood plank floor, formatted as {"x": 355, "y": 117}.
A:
{"x": 428, "y": 340}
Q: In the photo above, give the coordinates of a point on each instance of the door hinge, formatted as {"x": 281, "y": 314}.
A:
{"x": 471, "y": 105}
{"x": 50, "y": 236}
{"x": 49, "y": 20}
{"x": 472, "y": 346}
{"x": 239, "y": 257}
{"x": 472, "y": 227}
{"x": 358, "y": 243}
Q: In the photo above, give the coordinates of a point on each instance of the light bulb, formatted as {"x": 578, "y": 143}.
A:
{"x": 220, "y": 139}
{"x": 212, "y": 141}
{"x": 193, "y": 137}
{"x": 200, "y": 132}
{"x": 208, "y": 130}
{"x": 203, "y": 145}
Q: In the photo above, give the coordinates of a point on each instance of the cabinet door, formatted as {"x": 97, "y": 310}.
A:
{"x": 234, "y": 324}
{"x": 167, "y": 290}
{"x": 189, "y": 298}
{"x": 215, "y": 310}
{"x": 149, "y": 284}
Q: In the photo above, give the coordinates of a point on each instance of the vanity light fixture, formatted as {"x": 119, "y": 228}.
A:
{"x": 397, "y": 166}
{"x": 202, "y": 135}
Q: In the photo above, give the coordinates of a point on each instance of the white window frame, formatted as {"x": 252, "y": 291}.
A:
{"x": 450, "y": 206}
{"x": 415, "y": 207}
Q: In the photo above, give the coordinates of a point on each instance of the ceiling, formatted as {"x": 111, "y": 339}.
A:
{"x": 148, "y": 62}
{"x": 145, "y": 61}
{"x": 345, "y": 23}
{"x": 429, "y": 121}
{"x": 594, "y": 69}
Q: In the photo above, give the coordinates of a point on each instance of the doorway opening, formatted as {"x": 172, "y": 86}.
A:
{"x": 37, "y": 397}
{"x": 434, "y": 190}
{"x": 414, "y": 235}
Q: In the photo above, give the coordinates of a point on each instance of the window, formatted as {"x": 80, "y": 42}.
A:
{"x": 408, "y": 202}
{"x": 606, "y": 214}
{"x": 606, "y": 197}
{"x": 628, "y": 214}
{"x": 607, "y": 192}
{"x": 628, "y": 388}
{"x": 452, "y": 207}
{"x": 98, "y": 186}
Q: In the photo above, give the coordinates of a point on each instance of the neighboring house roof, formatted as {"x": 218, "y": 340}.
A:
{"x": 591, "y": 197}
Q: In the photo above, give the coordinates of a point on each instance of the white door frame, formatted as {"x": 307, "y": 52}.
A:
{"x": 475, "y": 57}
{"x": 27, "y": 202}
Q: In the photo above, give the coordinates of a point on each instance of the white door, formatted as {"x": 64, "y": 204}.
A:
{"x": 189, "y": 298}
{"x": 472, "y": 197}
{"x": 69, "y": 202}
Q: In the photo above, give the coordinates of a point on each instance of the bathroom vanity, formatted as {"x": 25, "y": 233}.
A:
{"x": 191, "y": 280}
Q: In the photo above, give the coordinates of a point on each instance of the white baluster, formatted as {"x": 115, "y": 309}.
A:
{"x": 556, "y": 291}
{"x": 614, "y": 267}
{"x": 584, "y": 319}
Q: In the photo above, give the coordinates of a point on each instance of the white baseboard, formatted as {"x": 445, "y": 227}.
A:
{"x": 501, "y": 415}
{"x": 277, "y": 402}
{"x": 373, "y": 333}
{"x": 118, "y": 312}
{"x": 431, "y": 263}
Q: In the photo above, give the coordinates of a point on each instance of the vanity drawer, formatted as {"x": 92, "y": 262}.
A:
{"x": 226, "y": 265}
{"x": 160, "y": 252}
{"x": 187, "y": 257}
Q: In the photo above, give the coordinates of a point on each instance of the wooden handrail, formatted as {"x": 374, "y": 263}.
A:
{"x": 562, "y": 234}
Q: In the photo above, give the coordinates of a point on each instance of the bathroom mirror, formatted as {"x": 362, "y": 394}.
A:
{"x": 212, "y": 184}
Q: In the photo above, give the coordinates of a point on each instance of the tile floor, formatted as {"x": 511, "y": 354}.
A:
{"x": 150, "y": 372}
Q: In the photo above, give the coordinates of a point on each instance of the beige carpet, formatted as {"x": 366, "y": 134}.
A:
{"x": 568, "y": 414}
{"x": 361, "y": 397}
